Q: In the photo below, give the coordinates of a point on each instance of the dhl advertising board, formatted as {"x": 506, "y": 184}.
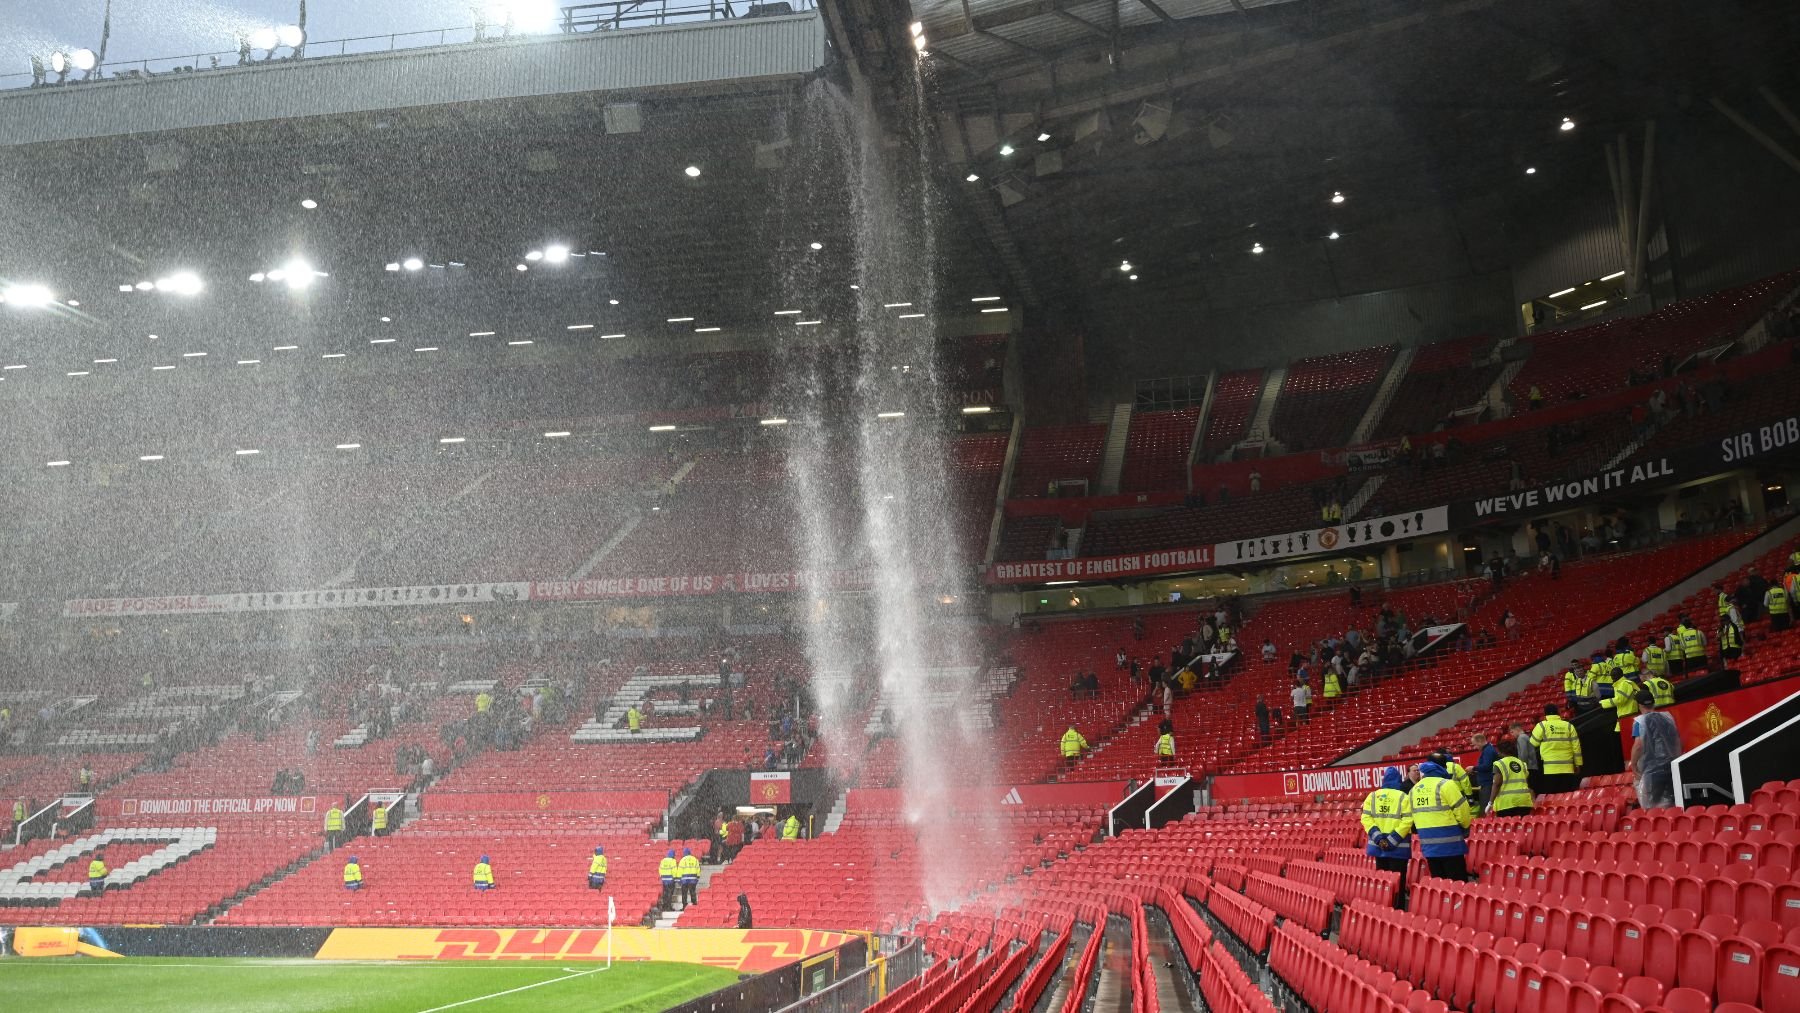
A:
{"x": 749, "y": 951}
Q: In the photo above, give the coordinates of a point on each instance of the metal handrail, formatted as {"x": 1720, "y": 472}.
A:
{"x": 624, "y": 14}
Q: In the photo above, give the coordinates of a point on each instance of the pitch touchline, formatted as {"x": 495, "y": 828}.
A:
{"x": 536, "y": 984}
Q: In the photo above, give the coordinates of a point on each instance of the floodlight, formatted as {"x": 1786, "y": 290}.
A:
{"x": 291, "y": 36}
{"x": 29, "y": 296}
{"x": 84, "y": 59}
{"x": 556, "y": 253}
{"x": 264, "y": 38}
{"x": 693, "y": 171}
{"x": 298, "y": 273}
{"x": 413, "y": 264}
{"x": 59, "y": 62}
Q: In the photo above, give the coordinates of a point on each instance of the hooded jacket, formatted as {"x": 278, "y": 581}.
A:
{"x": 1387, "y": 818}
{"x": 1440, "y": 813}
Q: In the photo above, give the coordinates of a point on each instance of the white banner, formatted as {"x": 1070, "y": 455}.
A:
{"x": 1347, "y": 537}
{"x": 299, "y": 601}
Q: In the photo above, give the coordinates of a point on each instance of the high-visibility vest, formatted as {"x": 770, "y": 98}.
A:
{"x": 1724, "y": 604}
{"x": 665, "y": 869}
{"x": 96, "y": 869}
{"x": 1599, "y": 677}
{"x": 1776, "y": 600}
{"x": 1572, "y": 683}
{"x": 1730, "y": 638}
{"x": 1441, "y": 817}
{"x": 484, "y": 873}
{"x": 1625, "y": 663}
{"x": 1693, "y": 645}
{"x": 483, "y": 701}
{"x": 634, "y": 719}
{"x": 1624, "y": 701}
{"x": 1459, "y": 774}
{"x": 1334, "y": 686}
{"x": 1511, "y": 789}
{"x": 352, "y": 872}
{"x": 334, "y": 819}
{"x": 1661, "y": 690}
{"x": 1558, "y": 746}
{"x": 1388, "y": 811}
{"x": 689, "y": 867}
{"x": 18, "y": 812}
{"x": 597, "y": 867}
{"x": 1656, "y": 659}
{"x": 1165, "y": 744}
{"x": 1072, "y": 743}
{"x": 790, "y": 831}
{"x": 378, "y": 819}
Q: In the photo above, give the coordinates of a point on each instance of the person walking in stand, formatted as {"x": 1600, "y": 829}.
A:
{"x": 666, "y": 871}
{"x": 1559, "y": 747}
{"x": 1655, "y": 658}
{"x": 1525, "y": 751}
{"x": 1072, "y": 747}
{"x": 634, "y": 720}
{"x": 484, "y": 875}
{"x": 790, "y": 831}
{"x": 597, "y": 870}
{"x": 1486, "y": 753}
{"x": 1659, "y": 689}
{"x": 1387, "y": 822}
{"x": 1655, "y": 742}
{"x": 1512, "y": 783}
{"x": 689, "y": 868}
{"x": 378, "y": 821}
{"x": 334, "y": 826}
{"x": 1165, "y": 744}
{"x": 1693, "y": 647}
{"x": 353, "y": 875}
{"x": 1334, "y": 683}
{"x": 1572, "y": 683}
{"x": 1731, "y": 643}
{"x": 1301, "y": 695}
{"x": 745, "y": 919}
{"x": 97, "y": 874}
{"x": 1624, "y": 700}
{"x": 1779, "y": 607}
{"x": 1441, "y": 818}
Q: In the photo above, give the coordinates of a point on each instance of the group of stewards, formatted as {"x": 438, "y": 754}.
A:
{"x": 680, "y": 877}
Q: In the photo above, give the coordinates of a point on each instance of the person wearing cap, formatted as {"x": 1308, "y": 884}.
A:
{"x": 1387, "y": 822}
{"x": 1073, "y": 744}
{"x": 484, "y": 874}
{"x": 353, "y": 877}
{"x": 1572, "y": 682}
{"x": 97, "y": 873}
{"x": 666, "y": 871}
{"x": 1441, "y": 818}
{"x": 689, "y": 868}
{"x": 597, "y": 870}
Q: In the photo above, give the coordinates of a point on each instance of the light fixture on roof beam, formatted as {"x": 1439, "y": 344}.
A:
{"x": 453, "y": 439}
{"x": 580, "y": 327}
{"x": 309, "y": 204}
{"x": 349, "y": 446}
{"x": 1337, "y": 197}
{"x": 816, "y": 245}
{"x": 1594, "y": 305}
{"x": 1256, "y": 248}
{"x": 1043, "y": 135}
{"x": 556, "y": 434}
{"x": 911, "y": 316}
{"x": 996, "y": 309}
{"x": 246, "y": 452}
{"x": 1006, "y": 150}
{"x": 1612, "y": 276}
{"x": 895, "y": 305}
{"x": 556, "y": 253}
{"x": 413, "y": 264}
{"x": 662, "y": 429}
{"x": 692, "y": 172}
{"x": 773, "y": 422}
{"x": 1150, "y": 123}
{"x": 1558, "y": 295}
{"x": 27, "y": 296}
{"x": 985, "y": 298}
{"x": 481, "y": 334}
{"x": 706, "y": 330}
{"x": 1131, "y": 277}
{"x": 681, "y": 320}
{"x": 1531, "y": 170}
{"x": 1333, "y": 235}
{"x": 976, "y": 409}
{"x": 1567, "y": 125}
{"x": 787, "y": 313}
{"x": 972, "y": 178}
{"x": 1125, "y": 267}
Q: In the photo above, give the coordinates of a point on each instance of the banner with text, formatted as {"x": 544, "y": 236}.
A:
{"x": 123, "y": 808}
{"x": 750, "y": 951}
{"x": 298, "y": 601}
{"x": 1134, "y": 564}
{"x": 1349, "y": 536}
{"x": 771, "y": 787}
{"x": 1694, "y": 462}
{"x": 1317, "y": 781}
{"x": 641, "y": 803}
{"x": 668, "y": 585}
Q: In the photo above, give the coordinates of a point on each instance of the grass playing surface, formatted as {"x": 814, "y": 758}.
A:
{"x": 191, "y": 985}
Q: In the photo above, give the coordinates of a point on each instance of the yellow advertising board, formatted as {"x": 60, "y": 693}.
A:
{"x": 36, "y": 941}
{"x": 748, "y": 951}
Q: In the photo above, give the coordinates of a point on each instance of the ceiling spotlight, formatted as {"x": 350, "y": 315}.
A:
{"x": 693, "y": 172}
{"x": 976, "y": 409}
{"x": 453, "y": 439}
{"x": 1133, "y": 277}
{"x": 387, "y": 320}
{"x": 556, "y": 254}
{"x": 1043, "y": 136}
{"x": 556, "y": 434}
{"x": 393, "y": 265}
{"x": 127, "y": 288}
{"x": 919, "y": 44}
{"x": 1005, "y": 150}
{"x": 972, "y": 178}
{"x": 1125, "y": 266}
{"x": 145, "y": 286}
{"x": 309, "y": 203}
{"x": 817, "y": 246}
{"x": 481, "y": 334}
{"x": 298, "y": 273}
{"x": 1333, "y": 235}
{"x": 1531, "y": 170}
{"x": 681, "y": 320}
{"x": 56, "y": 464}
{"x": 28, "y": 296}
{"x": 150, "y": 457}
{"x": 612, "y": 302}
{"x": 72, "y": 302}
{"x": 1256, "y": 248}
{"x": 258, "y": 277}
{"x": 534, "y": 256}
{"x": 246, "y": 451}
{"x": 1337, "y": 197}
{"x": 773, "y": 422}
{"x": 917, "y": 29}
{"x": 349, "y": 446}
{"x": 1567, "y": 125}
{"x": 521, "y": 267}
{"x": 413, "y": 264}
{"x": 985, "y": 298}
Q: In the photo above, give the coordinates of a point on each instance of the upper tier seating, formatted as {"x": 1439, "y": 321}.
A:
{"x": 1324, "y": 397}
{"x": 1271, "y": 512}
{"x": 1597, "y": 358}
{"x": 1156, "y": 450}
{"x": 1234, "y": 404}
{"x": 1442, "y": 379}
{"x": 1057, "y": 453}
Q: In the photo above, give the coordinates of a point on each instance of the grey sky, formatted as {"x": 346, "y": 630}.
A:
{"x": 147, "y": 29}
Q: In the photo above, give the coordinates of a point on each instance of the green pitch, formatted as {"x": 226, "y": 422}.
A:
{"x": 190, "y": 985}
